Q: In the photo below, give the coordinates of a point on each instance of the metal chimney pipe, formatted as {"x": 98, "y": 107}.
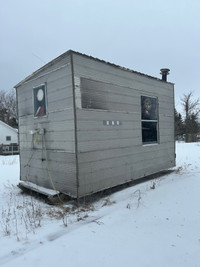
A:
{"x": 164, "y": 73}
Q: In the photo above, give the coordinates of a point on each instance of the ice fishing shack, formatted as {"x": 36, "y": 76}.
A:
{"x": 86, "y": 125}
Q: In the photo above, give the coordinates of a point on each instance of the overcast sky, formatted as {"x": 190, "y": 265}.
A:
{"x": 143, "y": 35}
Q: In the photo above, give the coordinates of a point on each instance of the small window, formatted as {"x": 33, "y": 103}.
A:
{"x": 8, "y": 138}
{"x": 39, "y": 96}
{"x": 93, "y": 94}
{"x": 149, "y": 117}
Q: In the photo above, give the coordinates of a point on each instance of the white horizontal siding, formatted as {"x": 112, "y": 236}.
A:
{"x": 112, "y": 155}
{"x": 58, "y": 143}
{"x": 5, "y": 131}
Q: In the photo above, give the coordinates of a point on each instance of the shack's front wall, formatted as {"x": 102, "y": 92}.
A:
{"x": 109, "y": 155}
{"x": 51, "y": 156}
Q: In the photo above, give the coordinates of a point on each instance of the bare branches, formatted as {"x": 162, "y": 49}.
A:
{"x": 192, "y": 110}
{"x": 8, "y": 109}
{"x": 191, "y": 106}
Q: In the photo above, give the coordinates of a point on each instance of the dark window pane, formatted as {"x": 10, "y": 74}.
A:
{"x": 149, "y": 108}
{"x": 8, "y": 138}
{"x": 101, "y": 95}
{"x": 93, "y": 94}
{"x": 149, "y": 132}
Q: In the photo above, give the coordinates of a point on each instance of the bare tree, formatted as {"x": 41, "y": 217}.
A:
{"x": 2, "y": 105}
{"x": 8, "y": 109}
{"x": 178, "y": 125}
{"x": 191, "y": 109}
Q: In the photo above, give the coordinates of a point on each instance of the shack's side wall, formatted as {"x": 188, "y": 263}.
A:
{"x": 53, "y": 157}
{"x": 112, "y": 155}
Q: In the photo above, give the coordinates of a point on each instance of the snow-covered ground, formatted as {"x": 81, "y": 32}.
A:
{"x": 153, "y": 224}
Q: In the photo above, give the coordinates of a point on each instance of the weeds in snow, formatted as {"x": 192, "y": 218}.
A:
{"x": 153, "y": 186}
{"x": 136, "y": 194}
{"x": 182, "y": 169}
{"x": 20, "y": 218}
{"x": 5, "y": 221}
{"x": 108, "y": 202}
{"x": 128, "y": 206}
{"x": 179, "y": 170}
{"x": 64, "y": 219}
{"x": 31, "y": 215}
{"x": 139, "y": 197}
{"x": 9, "y": 161}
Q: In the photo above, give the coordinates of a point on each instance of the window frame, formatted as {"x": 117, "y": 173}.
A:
{"x": 8, "y": 138}
{"x": 153, "y": 121}
{"x": 35, "y": 90}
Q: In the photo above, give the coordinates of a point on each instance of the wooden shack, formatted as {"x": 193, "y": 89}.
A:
{"x": 86, "y": 125}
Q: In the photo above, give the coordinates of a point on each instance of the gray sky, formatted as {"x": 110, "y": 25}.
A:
{"x": 143, "y": 35}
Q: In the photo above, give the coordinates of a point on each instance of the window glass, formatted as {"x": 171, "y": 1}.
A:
{"x": 149, "y": 132}
{"x": 93, "y": 94}
{"x": 8, "y": 138}
{"x": 104, "y": 96}
{"x": 149, "y": 117}
{"x": 39, "y": 94}
{"x": 149, "y": 108}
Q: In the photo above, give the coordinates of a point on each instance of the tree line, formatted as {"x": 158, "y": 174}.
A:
{"x": 187, "y": 126}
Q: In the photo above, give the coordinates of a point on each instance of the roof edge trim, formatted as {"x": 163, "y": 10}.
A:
{"x": 90, "y": 57}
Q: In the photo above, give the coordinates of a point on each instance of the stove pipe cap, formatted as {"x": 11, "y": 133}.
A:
{"x": 164, "y": 73}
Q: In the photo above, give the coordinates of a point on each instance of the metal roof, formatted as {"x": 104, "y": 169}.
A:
{"x": 84, "y": 55}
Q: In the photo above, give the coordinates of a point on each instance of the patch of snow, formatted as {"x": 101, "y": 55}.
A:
{"x": 155, "y": 223}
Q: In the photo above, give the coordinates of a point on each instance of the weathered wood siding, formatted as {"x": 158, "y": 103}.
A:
{"x": 112, "y": 155}
{"x": 59, "y": 130}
